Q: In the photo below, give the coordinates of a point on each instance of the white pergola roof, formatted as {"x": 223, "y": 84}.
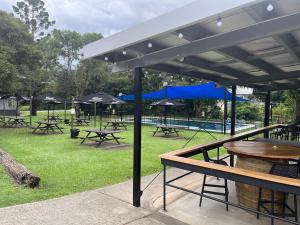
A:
{"x": 254, "y": 47}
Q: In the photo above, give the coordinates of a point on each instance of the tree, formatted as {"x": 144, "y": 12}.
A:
{"x": 19, "y": 57}
{"x": 34, "y": 15}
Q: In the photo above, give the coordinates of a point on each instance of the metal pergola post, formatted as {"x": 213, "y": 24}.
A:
{"x": 267, "y": 112}
{"x": 233, "y": 110}
{"x": 138, "y": 74}
{"x": 233, "y": 116}
{"x": 225, "y": 111}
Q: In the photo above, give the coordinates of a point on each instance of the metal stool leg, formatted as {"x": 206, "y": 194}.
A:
{"x": 296, "y": 208}
{"x": 258, "y": 204}
{"x": 226, "y": 193}
{"x": 202, "y": 190}
{"x": 272, "y": 207}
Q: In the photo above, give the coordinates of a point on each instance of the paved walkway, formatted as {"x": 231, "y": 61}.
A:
{"x": 112, "y": 206}
{"x": 106, "y": 206}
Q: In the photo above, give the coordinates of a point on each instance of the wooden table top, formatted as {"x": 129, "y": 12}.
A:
{"x": 47, "y": 122}
{"x": 262, "y": 150}
{"x": 97, "y": 130}
{"x": 15, "y": 118}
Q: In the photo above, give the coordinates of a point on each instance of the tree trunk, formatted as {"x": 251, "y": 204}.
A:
{"x": 18, "y": 172}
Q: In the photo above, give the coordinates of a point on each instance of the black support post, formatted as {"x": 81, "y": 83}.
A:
{"x": 233, "y": 110}
{"x": 233, "y": 116}
{"x": 138, "y": 74}
{"x": 225, "y": 111}
{"x": 267, "y": 113}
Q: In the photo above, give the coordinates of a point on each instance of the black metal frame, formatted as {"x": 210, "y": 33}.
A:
{"x": 137, "y": 193}
{"x": 267, "y": 113}
{"x": 226, "y": 175}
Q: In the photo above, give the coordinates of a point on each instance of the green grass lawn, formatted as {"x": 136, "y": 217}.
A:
{"x": 66, "y": 167}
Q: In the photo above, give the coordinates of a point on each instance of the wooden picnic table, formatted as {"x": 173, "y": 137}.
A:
{"x": 101, "y": 136}
{"x": 258, "y": 156}
{"x": 115, "y": 124}
{"x": 47, "y": 126}
{"x": 81, "y": 122}
{"x": 55, "y": 118}
{"x": 166, "y": 130}
{"x": 15, "y": 121}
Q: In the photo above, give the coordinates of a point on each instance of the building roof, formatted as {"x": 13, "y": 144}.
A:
{"x": 257, "y": 43}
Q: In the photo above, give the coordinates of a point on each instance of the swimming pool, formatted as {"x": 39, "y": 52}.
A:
{"x": 212, "y": 126}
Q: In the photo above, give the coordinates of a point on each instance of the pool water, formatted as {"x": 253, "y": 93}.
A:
{"x": 197, "y": 124}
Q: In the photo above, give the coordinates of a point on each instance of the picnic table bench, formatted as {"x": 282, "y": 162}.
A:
{"x": 101, "y": 136}
{"x": 115, "y": 124}
{"x": 15, "y": 121}
{"x": 166, "y": 130}
{"x": 47, "y": 126}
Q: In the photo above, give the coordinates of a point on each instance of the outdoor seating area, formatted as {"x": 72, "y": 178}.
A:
{"x": 192, "y": 116}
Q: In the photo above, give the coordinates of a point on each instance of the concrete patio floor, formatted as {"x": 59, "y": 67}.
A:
{"x": 112, "y": 206}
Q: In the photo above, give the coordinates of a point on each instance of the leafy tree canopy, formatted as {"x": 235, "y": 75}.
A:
{"x": 34, "y": 15}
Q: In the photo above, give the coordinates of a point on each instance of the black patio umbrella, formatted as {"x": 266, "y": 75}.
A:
{"x": 75, "y": 101}
{"x": 50, "y": 99}
{"x": 102, "y": 98}
{"x": 166, "y": 103}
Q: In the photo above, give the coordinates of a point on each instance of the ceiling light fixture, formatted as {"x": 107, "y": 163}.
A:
{"x": 150, "y": 45}
{"x": 124, "y": 52}
{"x": 180, "y": 35}
{"x": 219, "y": 22}
{"x": 181, "y": 59}
{"x": 270, "y": 7}
{"x": 106, "y": 58}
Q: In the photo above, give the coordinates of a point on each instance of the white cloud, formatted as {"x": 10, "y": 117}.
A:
{"x": 104, "y": 16}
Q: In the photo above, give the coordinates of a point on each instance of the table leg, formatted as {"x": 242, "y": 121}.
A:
{"x": 231, "y": 158}
{"x": 35, "y": 129}
{"x": 154, "y": 133}
{"x": 83, "y": 140}
{"x": 176, "y": 132}
{"x": 59, "y": 128}
{"x": 115, "y": 138}
{"x": 102, "y": 138}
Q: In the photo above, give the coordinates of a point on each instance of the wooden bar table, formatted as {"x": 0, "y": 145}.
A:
{"x": 259, "y": 156}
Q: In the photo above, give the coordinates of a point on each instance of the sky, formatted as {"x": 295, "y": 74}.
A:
{"x": 102, "y": 16}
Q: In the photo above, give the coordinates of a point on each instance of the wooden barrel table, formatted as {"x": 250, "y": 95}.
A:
{"x": 259, "y": 156}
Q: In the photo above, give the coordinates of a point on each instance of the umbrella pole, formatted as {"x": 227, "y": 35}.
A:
{"x": 65, "y": 115}
{"x": 95, "y": 113}
{"x": 72, "y": 117}
{"x": 121, "y": 113}
{"x": 3, "y": 115}
{"x": 165, "y": 115}
{"x": 100, "y": 117}
{"x": 48, "y": 112}
{"x": 30, "y": 112}
{"x": 17, "y": 106}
